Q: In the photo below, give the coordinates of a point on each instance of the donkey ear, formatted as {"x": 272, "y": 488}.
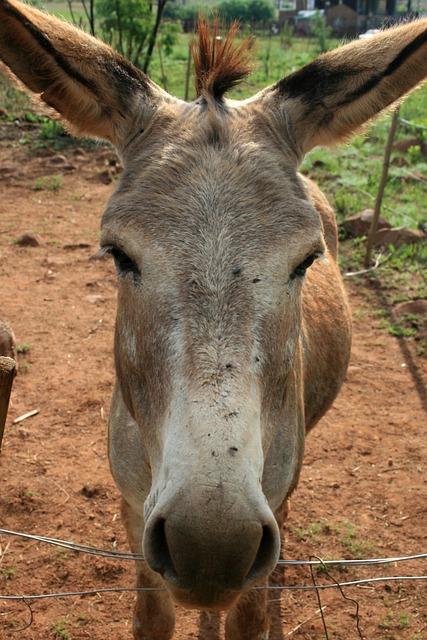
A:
{"x": 330, "y": 99}
{"x": 90, "y": 85}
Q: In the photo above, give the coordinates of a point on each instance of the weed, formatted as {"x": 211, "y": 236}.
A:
{"x": 311, "y": 530}
{"x": 62, "y": 555}
{"x": 47, "y": 183}
{"x": 358, "y": 314}
{"x": 30, "y": 117}
{"x": 6, "y": 574}
{"x": 404, "y": 620}
{"x": 386, "y": 620}
{"x": 348, "y": 537}
{"x": 28, "y": 494}
{"x": 25, "y": 139}
{"x": 397, "y": 329}
{"x": 59, "y": 631}
{"x": 51, "y": 129}
{"x": 23, "y": 348}
{"x": 380, "y": 313}
{"x": 422, "y": 348}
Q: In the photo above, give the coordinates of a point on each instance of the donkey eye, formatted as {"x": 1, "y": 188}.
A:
{"x": 123, "y": 263}
{"x": 305, "y": 264}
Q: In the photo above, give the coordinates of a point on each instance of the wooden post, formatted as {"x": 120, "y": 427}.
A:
{"x": 187, "y": 75}
{"x": 162, "y": 69}
{"x": 381, "y": 188}
{"x": 7, "y": 373}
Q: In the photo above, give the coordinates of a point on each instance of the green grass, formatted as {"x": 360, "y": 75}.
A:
{"x": 48, "y": 183}
{"x": 23, "y": 348}
{"x": 59, "y": 632}
{"x": 343, "y": 533}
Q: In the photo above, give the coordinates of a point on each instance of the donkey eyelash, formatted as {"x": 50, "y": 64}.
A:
{"x": 301, "y": 268}
{"x": 124, "y": 264}
{"x": 101, "y": 253}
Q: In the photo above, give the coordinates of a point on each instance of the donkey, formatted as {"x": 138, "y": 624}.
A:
{"x": 233, "y": 332}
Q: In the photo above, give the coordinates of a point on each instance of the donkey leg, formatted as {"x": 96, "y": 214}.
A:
{"x": 282, "y": 513}
{"x": 154, "y": 615}
{"x": 248, "y": 619}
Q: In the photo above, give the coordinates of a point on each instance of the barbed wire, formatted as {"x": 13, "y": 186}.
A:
{"x": 28, "y": 599}
{"x": 97, "y": 551}
{"x": 280, "y": 587}
{"x": 72, "y": 546}
{"x": 408, "y": 123}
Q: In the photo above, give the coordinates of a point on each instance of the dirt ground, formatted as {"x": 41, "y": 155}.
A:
{"x": 363, "y": 487}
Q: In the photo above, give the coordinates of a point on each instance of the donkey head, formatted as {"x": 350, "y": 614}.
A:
{"x": 225, "y": 349}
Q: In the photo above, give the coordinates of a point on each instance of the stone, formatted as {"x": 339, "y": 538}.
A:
{"x": 29, "y": 240}
{"x": 398, "y": 236}
{"x": 360, "y": 223}
{"x": 411, "y": 308}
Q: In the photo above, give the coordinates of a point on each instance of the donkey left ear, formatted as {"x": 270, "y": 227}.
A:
{"x": 97, "y": 91}
{"x": 330, "y": 99}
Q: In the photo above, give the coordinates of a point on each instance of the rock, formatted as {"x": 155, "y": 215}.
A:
{"x": 7, "y": 340}
{"x": 58, "y": 159}
{"x": 61, "y": 162}
{"x": 411, "y": 307}
{"x": 398, "y": 236}
{"x": 53, "y": 262}
{"x": 44, "y": 152}
{"x": 77, "y": 245}
{"x": 405, "y": 144}
{"x": 360, "y": 224}
{"x": 29, "y": 240}
{"x": 95, "y": 299}
{"x": 104, "y": 176}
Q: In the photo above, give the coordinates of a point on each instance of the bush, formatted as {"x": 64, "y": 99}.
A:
{"x": 126, "y": 25}
{"x": 253, "y": 11}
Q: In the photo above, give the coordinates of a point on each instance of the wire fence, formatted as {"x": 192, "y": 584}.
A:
{"x": 313, "y": 563}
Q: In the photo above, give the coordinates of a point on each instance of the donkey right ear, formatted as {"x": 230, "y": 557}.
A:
{"x": 97, "y": 91}
{"x": 331, "y": 98}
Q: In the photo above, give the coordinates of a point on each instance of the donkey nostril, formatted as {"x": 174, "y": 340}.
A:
{"x": 267, "y": 555}
{"x": 157, "y": 551}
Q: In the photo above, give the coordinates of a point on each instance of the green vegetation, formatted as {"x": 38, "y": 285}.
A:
{"x": 48, "y": 183}
{"x": 50, "y": 129}
{"x": 59, "y": 632}
{"x": 6, "y": 574}
{"x": 254, "y": 12}
{"x": 344, "y": 533}
{"x": 398, "y": 621}
{"x": 126, "y": 26}
{"x": 23, "y": 348}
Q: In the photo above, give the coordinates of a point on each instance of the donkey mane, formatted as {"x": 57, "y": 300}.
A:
{"x": 219, "y": 63}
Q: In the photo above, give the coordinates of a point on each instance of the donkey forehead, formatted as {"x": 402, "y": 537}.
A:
{"x": 221, "y": 173}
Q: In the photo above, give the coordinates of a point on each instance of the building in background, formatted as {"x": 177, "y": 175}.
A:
{"x": 349, "y": 17}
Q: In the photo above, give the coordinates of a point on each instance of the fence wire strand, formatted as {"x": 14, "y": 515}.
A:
{"x": 309, "y": 587}
{"x": 97, "y": 551}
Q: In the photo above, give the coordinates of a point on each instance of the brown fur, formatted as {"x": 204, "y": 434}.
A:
{"x": 219, "y": 64}
{"x": 228, "y": 346}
